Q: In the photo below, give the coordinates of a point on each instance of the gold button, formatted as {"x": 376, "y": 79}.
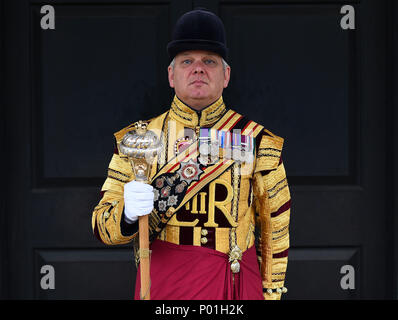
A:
{"x": 106, "y": 214}
{"x": 204, "y": 232}
{"x": 203, "y": 240}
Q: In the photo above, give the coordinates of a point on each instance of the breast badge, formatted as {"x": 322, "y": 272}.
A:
{"x": 170, "y": 188}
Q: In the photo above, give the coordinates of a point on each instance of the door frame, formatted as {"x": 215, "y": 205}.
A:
{"x": 3, "y": 146}
{"x": 392, "y": 146}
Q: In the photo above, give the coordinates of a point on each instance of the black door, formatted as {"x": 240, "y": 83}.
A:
{"x": 328, "y": 91}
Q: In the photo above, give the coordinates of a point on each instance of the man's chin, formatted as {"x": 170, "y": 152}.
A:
{"x": 199, "y": 94}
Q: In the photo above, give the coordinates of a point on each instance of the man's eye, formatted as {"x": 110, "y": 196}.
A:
{"x": 186, "y": 62}
{"x": 209, "y": 61}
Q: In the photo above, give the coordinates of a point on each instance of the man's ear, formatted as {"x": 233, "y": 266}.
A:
{"x": 227, "y": 76}
{"x": 171, "y": 76}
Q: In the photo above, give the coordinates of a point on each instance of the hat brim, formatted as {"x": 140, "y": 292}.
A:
{"x": 177, "y": 46}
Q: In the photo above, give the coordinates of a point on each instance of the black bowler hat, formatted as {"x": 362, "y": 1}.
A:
{"x": 198, "y": 29}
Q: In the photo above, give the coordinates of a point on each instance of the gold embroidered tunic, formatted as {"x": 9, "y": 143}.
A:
{"x": 227, "y": 205}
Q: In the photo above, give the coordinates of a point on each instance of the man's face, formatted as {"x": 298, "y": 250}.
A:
{"x": 198, "y": 77}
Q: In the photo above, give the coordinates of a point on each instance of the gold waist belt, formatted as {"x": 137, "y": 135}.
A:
{"x": 213, "y": 238}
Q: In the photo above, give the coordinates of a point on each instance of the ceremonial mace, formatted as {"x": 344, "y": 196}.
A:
{"x": 142, "y": 146}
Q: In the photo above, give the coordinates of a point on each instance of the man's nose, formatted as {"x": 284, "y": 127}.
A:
{"x": 199, "y": 67}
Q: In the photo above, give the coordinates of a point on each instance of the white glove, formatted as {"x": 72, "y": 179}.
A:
{"x": 138, "y": 200}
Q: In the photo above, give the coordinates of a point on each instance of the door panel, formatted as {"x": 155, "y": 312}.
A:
{"x": 68, "y": 90}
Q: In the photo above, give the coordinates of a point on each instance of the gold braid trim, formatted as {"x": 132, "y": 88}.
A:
{"x": 269, "y": 152}
{"x": 180, "y": 112}
{"x": 235, "y": 253}
{"x": 107, "y": 217}
{"x": 266, "y": 228}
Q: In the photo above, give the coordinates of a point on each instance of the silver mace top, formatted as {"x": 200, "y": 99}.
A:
{"x": 141, "y": 146}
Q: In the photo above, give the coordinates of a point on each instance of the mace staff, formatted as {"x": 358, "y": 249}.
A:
{"x": 142, "y": 146}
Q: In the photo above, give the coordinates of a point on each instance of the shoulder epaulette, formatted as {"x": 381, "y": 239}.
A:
{"x": 269, "y": 151}
{"x": 277, "y": 138}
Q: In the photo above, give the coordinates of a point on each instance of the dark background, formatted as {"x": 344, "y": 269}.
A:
{"x": 331, "y": 93}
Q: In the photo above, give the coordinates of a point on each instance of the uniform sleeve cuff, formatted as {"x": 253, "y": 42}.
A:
{"x": 128, "y": 229}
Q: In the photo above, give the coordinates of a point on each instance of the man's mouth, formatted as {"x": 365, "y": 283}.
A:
{"x": 198, "y": 82}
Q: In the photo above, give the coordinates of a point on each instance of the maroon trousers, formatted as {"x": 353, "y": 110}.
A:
{"x": 186, "y": 272}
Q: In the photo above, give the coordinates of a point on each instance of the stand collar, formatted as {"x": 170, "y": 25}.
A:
{"x": 191, "y": 118}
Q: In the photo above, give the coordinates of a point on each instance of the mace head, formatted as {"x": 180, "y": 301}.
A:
{"x": 141, "y": 146}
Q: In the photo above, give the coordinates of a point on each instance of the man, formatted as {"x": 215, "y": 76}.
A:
{"x": 219, "y": 202}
